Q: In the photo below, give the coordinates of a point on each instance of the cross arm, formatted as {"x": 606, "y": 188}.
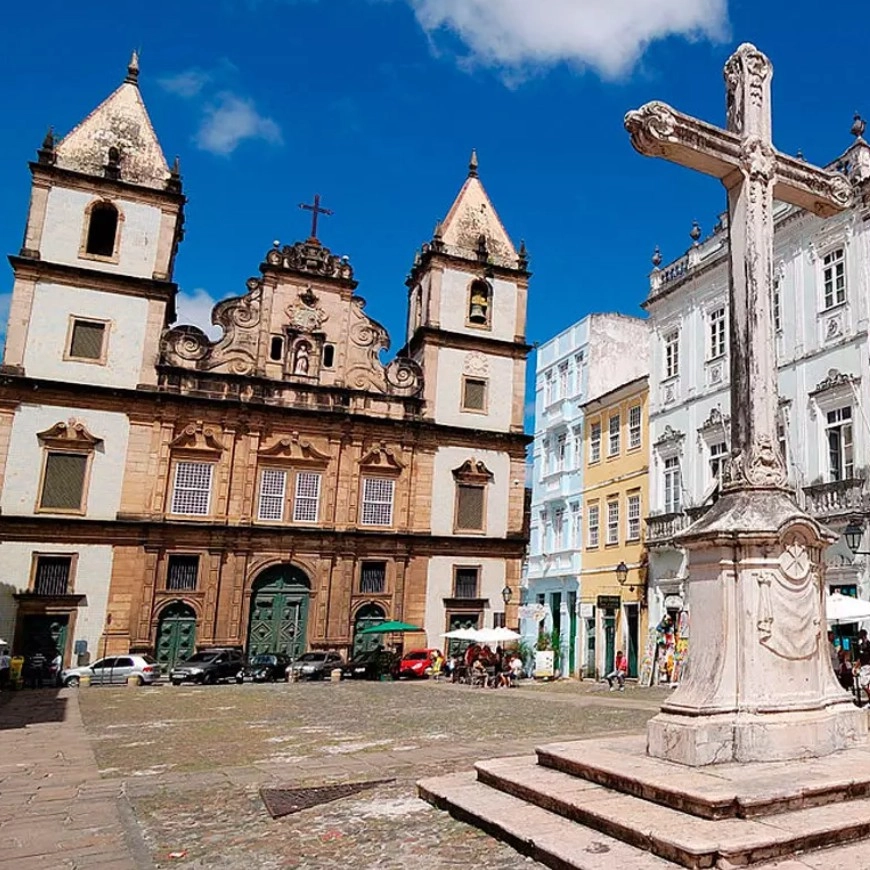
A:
{"x": 657, "y": 130}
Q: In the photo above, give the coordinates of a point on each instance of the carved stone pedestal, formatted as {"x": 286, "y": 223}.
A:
{"x": 759, "y": 684}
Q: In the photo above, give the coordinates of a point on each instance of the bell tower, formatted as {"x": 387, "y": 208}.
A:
{"x": 93, "y": 283}
{"x": 467, "y": 316}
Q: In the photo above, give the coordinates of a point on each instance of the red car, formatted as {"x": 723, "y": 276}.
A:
{"x": 418, "y": 663}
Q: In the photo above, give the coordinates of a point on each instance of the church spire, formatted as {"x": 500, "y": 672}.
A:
{"x": 473, "y": 164}
{"x": 133, "y": 69}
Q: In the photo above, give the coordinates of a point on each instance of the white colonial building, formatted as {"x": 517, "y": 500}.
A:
{"x": 589, "y": 358}
{"x": 821, "y": 310}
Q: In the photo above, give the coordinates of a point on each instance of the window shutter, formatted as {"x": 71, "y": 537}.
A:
{"x": 475, "y": 395}
{"x": 64, "y": 481}
{"x": 87, "y": 339}
{"x": 469, "y": 509}
{"x": 273, "y": 485}
{"x": 307, "y": 497}
{"x": 192, "y": 492}
{"x": 377, "y": 507}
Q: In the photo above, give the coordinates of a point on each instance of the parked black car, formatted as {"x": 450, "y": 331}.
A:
{"x": 264, "y": 668}
{"x": 207, "y": 666}
{"x": 371, "y": 665}
{"x": 314, "y": 665}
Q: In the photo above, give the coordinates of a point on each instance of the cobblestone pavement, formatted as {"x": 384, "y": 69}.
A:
{"x": 191, "y": 760}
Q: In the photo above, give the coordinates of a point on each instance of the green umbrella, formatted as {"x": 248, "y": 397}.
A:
{"x": 387, "y": 627}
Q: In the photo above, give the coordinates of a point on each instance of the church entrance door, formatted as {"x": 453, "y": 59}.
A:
{"x": 279, "y": 611}
{"x": 176, "y": 635}
{"x": 370, "y": 614}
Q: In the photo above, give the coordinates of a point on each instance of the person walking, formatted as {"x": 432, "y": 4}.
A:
{"x": 863, "y": 656}
{"x": 5, "y": 667}
{"x": 37, "y": 668}
{"x": 620, "y": 669}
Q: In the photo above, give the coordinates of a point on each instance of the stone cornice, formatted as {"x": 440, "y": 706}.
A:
{"x": 433, "y": 259}
{"x": 459, "y": 340}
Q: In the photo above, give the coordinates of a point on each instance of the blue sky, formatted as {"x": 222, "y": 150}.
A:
{"x": 376, "y": 104}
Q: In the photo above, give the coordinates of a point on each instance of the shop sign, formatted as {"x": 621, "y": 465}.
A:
{"x": 609, "y": 602}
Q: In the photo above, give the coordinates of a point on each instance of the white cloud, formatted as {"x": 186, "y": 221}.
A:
{"x": 195, "y": 309}
{"x": 187, "y": 84}
{"x": 229, "y": 121}
{"x": 607, "y": 35}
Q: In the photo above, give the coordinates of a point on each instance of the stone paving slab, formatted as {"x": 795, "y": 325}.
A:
{"x": 57, "y": 814}
{"x": 555, "y": 842}
{"x": 718, "y": 791}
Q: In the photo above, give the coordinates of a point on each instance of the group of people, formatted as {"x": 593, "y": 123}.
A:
{"x": 847, "y": 670}
{"x": 37, "y": 671}
{"x": 483, "y": 667}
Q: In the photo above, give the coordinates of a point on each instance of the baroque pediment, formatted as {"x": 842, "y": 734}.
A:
{"x": 669, "y": 436}
{"x": 198, "y": 436}
{"x": 310, "y": 258}
{"x": 380, "y": 456}
{"x": 292, "y": 446}
{"x": 716, "y": 420}
{"x": 473, "y": 471}
{"x": 235, "y": 352}
{"x": 835, "y": 380}
{"x": 73, "y": 433}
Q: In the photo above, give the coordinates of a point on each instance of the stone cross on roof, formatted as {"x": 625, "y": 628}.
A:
{"x": 754, "y": 174}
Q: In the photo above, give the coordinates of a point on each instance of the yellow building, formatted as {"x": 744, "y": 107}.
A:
{"x": 616, "y": 497}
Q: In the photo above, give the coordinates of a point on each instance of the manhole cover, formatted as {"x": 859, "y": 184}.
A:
{"x": 286, "y": 801}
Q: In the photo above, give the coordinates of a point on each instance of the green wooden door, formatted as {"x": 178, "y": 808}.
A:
{"x": 176, "y": 635}
{"x": 572, "y": 628}
{"x": 633, "y": 632}
{"x": 279, "y": 612}
{"x": 609, "y": 640}
{"x": 367, "y": 616}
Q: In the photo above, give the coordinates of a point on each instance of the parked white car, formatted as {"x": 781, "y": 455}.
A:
{"x": 113, "y": 670}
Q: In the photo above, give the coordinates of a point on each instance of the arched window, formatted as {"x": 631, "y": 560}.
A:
{"x": 479, "y": 299}
{"x": 102, "y": 230}
{"x": 328, "y": 356}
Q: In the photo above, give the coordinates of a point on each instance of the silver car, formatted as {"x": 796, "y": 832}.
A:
{"x": 113, "y": 670}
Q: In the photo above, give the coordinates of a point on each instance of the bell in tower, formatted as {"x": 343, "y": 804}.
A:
{"x": 478, "y": 310}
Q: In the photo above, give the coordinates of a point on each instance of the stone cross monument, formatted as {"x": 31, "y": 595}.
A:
{"x": 759, "y": 685}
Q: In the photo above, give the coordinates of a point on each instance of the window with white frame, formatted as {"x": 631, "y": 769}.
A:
{"x": 672, "y": 354}
{"x": 777, "y": 305}
{"x": 377, "y": 501}
{"x": 578, "y": 373}
{"x": 834, "y": 277}
{"x": 716, "y": 320}
{"x": 718, "y": 455}
{"x": 633, "y": 517}
{"x": 673, "y": 485}
{"x": 191, "y": 493}
{"x": 592, "y": 519}
{"x": 613, "y": 521}
{"x": 306, "y": 499}
{"x": 549, "y": 387}
{"x": 613, "y": 428}
{"x": 578, "y": 446}
{"x": 273, "y": 489}
{"x": 559, "y": 529}
{"x": 840, "y": 448}
{"x": 561, "y": 451}
{"x": 634, "y": 433}
{"x": 782, "y": 440}
{"x": 563, "y": 380}
{"x": 595, "y": 442}
{"x": 576, "y": 526}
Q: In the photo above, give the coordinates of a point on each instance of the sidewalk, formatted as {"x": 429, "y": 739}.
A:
{"x": 55, "y": 812}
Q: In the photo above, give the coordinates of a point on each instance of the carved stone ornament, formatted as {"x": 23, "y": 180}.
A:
{"x": 788, "y": 610}
{"x": 235, "y": 352}
{"x": 750, "y": 65}
{"x": 473, "y": 471}
{"x": 716, "y": 420}
{"x": 292, "y": 446}
{"x": 762, "y": 468}
{"x": 73, "y": 433}
{"x": 306, "y": 315}
{"x": 404, "y": 377}
{"x": 833, "y": 381}
{"x": 380, "y": 456}
{"x": 310, "y": 258}
{"x": 650, "y": 126}
{"x": 475, "y": 363}
{"x": 670, "y": 395}
{"x": 198, "y": 436}
{"x": 833, "y": 327}
{"x": 669, "y": 436}
{"x": 758, "y": 160}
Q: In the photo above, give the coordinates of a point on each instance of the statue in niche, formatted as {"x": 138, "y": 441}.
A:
{"x": 302, "y": 358}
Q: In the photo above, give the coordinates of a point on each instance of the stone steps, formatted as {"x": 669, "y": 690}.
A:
{"x": 546, "y": 837}
{"x": 570, "y": 822}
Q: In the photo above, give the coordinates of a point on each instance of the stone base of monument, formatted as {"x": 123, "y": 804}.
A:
{"x": 601, "y": 804}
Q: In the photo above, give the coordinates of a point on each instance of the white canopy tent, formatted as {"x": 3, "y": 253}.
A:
{"x": 841, "y": 608}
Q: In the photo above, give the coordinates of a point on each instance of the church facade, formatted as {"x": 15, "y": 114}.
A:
{"x": 279, "y": 488}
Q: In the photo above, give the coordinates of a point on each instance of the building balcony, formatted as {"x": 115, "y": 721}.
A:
{"x": 661, "y": 529}
{"x": 838, "y": 499}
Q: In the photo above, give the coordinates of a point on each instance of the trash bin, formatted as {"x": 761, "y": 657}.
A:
{"x": 335, "y": 675}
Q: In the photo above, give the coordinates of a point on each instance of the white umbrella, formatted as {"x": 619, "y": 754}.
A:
{"x": 461, "y": 634}
{"x": 845, "y": 608}
{"x": 495, "y": 635}
{"x": 506, "y": 635}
